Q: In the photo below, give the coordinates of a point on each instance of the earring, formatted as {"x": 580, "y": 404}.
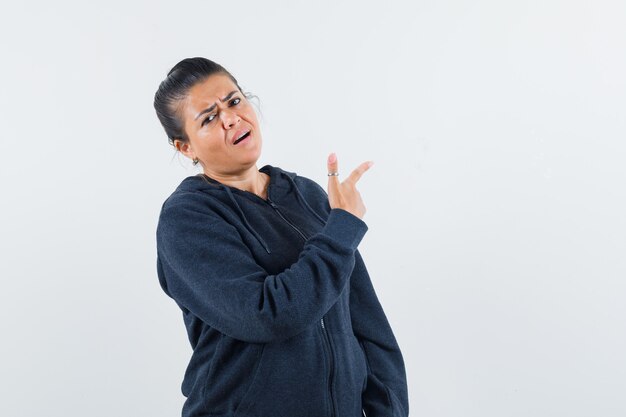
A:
{"x": 195, "y": 161}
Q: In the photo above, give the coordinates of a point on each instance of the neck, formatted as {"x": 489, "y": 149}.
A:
{"x": 251, "y": 179}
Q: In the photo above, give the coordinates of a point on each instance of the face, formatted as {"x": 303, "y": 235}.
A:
{"x": 213, "y": 126}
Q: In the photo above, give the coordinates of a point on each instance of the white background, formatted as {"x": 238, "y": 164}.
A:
{"x": 495, "y": 207}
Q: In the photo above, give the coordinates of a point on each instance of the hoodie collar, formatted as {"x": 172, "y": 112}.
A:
{"x": 281, "y": 184}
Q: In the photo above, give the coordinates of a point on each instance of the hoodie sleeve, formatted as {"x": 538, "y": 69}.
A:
{"x": 386, "y": 392}
{"x": 208, "y": 270}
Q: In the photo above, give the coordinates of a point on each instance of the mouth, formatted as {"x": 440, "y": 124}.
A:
{"x": 242, "y": 136}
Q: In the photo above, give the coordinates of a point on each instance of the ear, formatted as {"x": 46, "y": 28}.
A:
{"x": 184, "y": 148}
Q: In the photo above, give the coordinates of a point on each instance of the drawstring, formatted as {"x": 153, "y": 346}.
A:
{"x": 302, "y": 199}
{"x": 243, "y": 216}
{"x": 299, "y": 197}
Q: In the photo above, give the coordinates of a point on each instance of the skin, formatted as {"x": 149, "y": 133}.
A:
{"x": 211, "y": 143}
{"x": 236, "y": 165}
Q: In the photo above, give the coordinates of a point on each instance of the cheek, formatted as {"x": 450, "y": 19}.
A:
{"x": 251, "y": 116}
{"x": 248, "y": 112}
{"x": 208, "y": 140}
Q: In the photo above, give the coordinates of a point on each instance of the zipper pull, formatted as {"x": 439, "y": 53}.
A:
{"x": 271, "y": 203}
{"x": 322, "y": 320}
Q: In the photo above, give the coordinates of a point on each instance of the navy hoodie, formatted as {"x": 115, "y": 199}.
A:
{"x": 279, "y": 308}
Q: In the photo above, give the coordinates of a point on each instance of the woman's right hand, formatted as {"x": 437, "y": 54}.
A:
{"x": 344, "y": 195}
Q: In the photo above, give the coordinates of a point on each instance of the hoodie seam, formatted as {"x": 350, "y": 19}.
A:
{"x": 205, "y": 380}
{"x": 390, "y": 400}
{"x": 305, "y": 203}
{"x": 369, "y": 371}
{"x": 250, "y": 395}
{"x": 367, "y": 359}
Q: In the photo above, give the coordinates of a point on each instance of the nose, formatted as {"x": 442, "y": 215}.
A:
{"x": 229, "y": 118}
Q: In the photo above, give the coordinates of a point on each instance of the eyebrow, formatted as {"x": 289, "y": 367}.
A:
{"x": 213, "y": 106}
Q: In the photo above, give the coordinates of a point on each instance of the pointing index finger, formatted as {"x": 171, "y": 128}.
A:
{"x": 358, "y": 171}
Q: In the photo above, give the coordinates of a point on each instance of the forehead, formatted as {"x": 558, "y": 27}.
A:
{"x": 207, "y": 92}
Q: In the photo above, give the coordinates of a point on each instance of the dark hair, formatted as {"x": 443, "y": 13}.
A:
{"x": 180, "y": 79}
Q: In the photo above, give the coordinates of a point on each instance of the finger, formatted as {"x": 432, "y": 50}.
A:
{"x": 333, "y": 166}
{"x": 358, "y": 171}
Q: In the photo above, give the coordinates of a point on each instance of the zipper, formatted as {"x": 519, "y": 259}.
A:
{"x": 324, "y": 331}
{"x": 271, "y": 203}
{"x": 330, "y": 376}
{"x": 275, "y": 207}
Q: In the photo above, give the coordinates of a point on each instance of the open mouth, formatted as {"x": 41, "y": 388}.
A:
{"x": 242, "y": 138}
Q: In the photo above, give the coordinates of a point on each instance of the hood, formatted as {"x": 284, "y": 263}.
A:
{"x": 281, "y": 184}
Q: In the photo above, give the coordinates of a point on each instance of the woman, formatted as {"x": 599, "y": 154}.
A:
{"x": 278, "y": 305}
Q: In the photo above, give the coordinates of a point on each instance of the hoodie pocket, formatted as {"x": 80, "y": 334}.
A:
{"x": 291, "y": 380}
{"x": 396, "y": 405}
{"x": 365, "y": 363}
{"x": 232, "y": 373}
{"x": 243, "y": 404}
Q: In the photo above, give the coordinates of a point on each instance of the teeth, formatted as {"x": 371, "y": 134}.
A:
{"x": 244, "y": 134}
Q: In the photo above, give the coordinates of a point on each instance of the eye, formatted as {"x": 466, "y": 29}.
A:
{"x": 233, "y": 102}
{"x": 208, "y": 119}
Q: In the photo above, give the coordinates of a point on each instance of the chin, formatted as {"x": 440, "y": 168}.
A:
{"x": 253, "y": 156}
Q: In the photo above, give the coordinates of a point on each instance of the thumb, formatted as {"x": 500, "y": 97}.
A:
{"x": 333, "y": 166}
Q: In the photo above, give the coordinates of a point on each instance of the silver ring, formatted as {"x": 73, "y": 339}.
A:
{"x": 333, "y": 174}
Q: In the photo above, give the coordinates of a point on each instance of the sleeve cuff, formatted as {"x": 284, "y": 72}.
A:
{"x": 345, "y": 228}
